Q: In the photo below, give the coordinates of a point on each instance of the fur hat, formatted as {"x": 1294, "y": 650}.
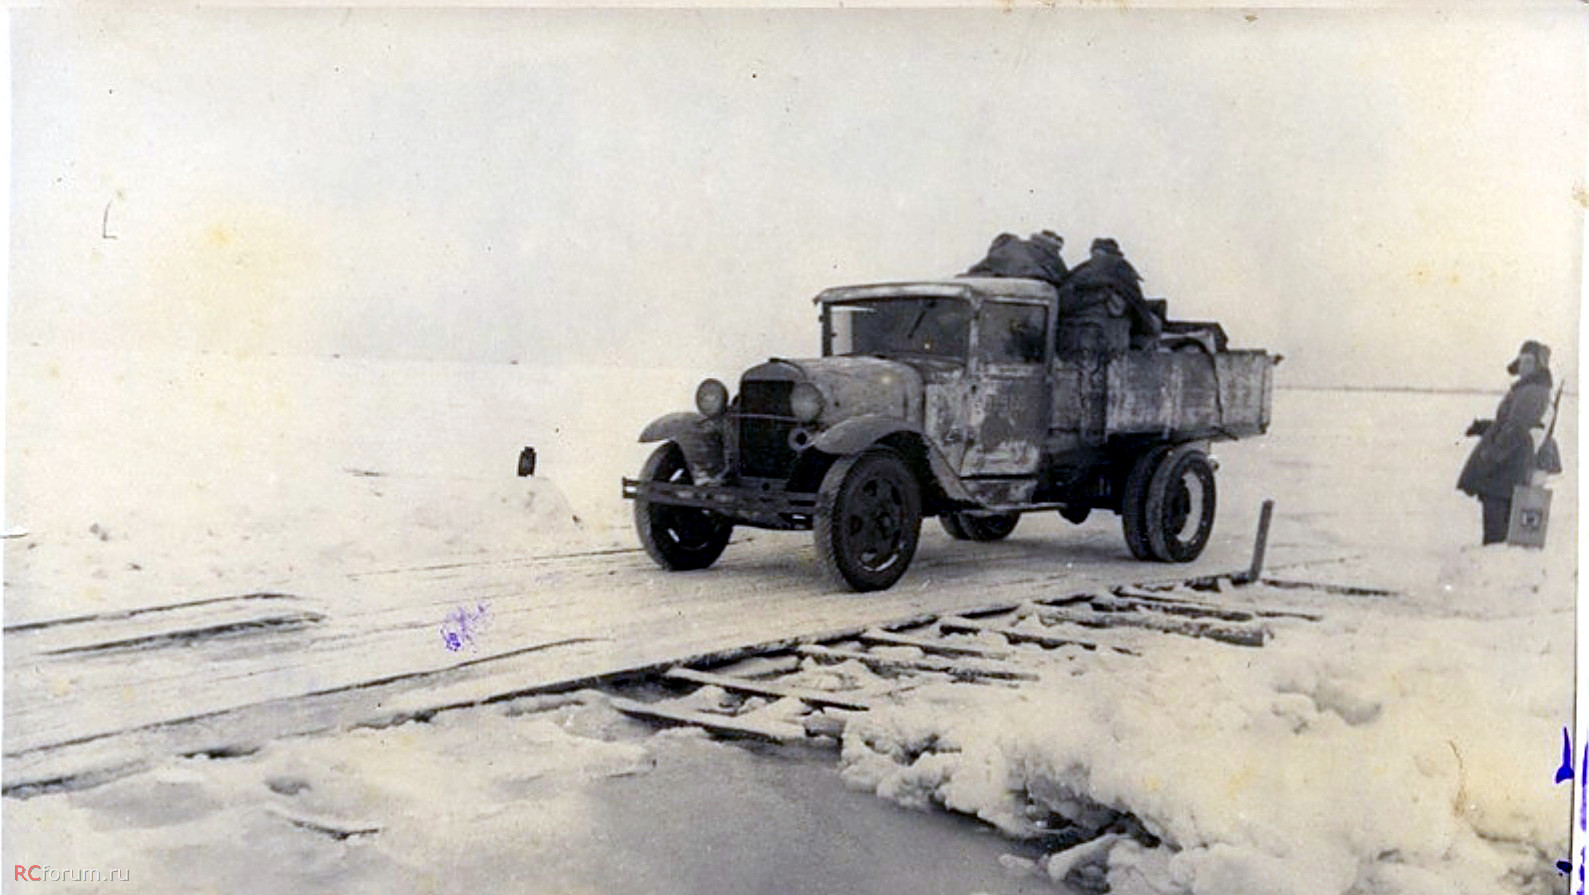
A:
{"x": 1049, "y": 238}
{"x": 1540, "y": 352}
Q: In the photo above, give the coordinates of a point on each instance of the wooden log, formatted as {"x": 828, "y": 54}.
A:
{"x": 944, "y": 666}
{"x": 768, "y": 688}
{"x": 759, "y": 667}
{"x": 1232, "y": 634}
{"x": 1134, "y": 593}
{"x": 721, "y": 725}
{"x": 885, "y": 638}
{"x": 1170, "y": 607}
{"x": 1022, "y": 636}
{"x": 1016, "y": 635}
{"x": 1260, "y": 544}
{"x": 1340, "y": 589}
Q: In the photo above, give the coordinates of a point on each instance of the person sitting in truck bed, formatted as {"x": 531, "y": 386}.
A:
{"x": 1037, "y": 258}
{"x": 1107, "y": 285}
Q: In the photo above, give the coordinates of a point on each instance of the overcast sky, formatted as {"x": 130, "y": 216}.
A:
{"x": 1383, "y": 196}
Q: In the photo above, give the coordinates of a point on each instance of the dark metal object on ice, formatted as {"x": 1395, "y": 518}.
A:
{"x": 527, "y": 462}
{"x": 974, "y": 400}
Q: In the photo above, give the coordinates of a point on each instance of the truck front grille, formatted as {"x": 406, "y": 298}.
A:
{"x": 766, "y": 398}
{"x": 764, "y": 449}
{"x": 764, "y": 426}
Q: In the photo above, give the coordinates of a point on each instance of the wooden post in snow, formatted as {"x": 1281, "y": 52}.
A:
{"x": 1260, "y": 544}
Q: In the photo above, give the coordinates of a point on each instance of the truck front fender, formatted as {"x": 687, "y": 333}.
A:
{"x": 672, "y": 426}
{"x": 699, "y": 438}
{"x": 861, "y": 432}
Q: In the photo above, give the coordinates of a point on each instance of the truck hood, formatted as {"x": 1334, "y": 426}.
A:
{"x": 856, "y": 386}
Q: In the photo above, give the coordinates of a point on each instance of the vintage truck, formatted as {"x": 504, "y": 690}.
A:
{"x": 971, "y": 399}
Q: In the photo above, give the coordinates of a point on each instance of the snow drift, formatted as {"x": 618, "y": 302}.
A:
{"x": 1387, "y": 749}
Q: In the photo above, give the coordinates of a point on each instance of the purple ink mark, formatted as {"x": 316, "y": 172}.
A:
{"x": 1565, "y": 771}
{"x": 1564, "y": 775}
{"x": 462, "y": 625}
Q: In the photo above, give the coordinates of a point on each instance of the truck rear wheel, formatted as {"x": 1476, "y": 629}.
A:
{"x": 1180, "y": 507}
{"x": 868, "y": 520}
{"x": 677, "y": 538}
{"x": 970, "y": 526}
{"x": 1134, "y": 501}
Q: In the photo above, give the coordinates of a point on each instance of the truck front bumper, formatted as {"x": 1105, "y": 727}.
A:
{"x": 764, "y": 507}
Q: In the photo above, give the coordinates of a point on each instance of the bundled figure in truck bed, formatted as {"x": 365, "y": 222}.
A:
{"x": 1106, "y": 285}
{"x": 1037, "y": 258}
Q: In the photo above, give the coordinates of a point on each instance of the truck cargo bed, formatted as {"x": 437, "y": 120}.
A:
{"x": 1170, "y": 394}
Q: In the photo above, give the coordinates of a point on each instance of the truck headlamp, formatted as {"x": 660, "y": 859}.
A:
{"x": 805, "y": 402}
{"x": 711, "y": 398}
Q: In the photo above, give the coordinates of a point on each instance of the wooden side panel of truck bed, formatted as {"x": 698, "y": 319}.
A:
{"x": 1190, "y": 394}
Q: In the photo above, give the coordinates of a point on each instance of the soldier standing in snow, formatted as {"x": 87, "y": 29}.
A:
{"x": 1504, "y": 456}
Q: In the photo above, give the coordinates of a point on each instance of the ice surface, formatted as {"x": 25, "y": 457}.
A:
{"x": 1402, "y": 745}
{"x": 136, "y": 475}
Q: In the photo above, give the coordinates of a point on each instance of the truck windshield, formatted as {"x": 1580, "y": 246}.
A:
{"x": 935, "y": 326}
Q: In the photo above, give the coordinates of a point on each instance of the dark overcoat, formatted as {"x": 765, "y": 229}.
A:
{"x": 1094, "y": 280}
{"x": 1504, "y": 456}
{"x": 1012, "y": 256}
{"x": 1107, "y": 272}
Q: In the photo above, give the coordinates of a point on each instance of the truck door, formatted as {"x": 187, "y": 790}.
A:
{"x": 1007, "y": 393}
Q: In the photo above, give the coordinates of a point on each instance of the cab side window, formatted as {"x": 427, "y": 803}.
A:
{"x": 1012, "y": 334}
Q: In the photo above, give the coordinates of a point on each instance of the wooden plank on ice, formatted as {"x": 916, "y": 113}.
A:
{"x": 943, "y": 666}
{"x": 768, "y": 688}
{"x": 884, "y": 638}
{"x": 722, "y": 725}
{"x": 1141, "y": 594}
{"x": 1339, "y": 589}
{"x": 1169, "y": 607}
{"x": 1017, "y": 635}
{"x": 148, "y": 638}
{"x": 186, "y": 608}
{"x": 1232, "y": 634}
{"x": 177, "y": 624}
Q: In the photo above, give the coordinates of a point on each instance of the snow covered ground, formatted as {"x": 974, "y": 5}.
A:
{"x": 1401, "y": 745}
{"x": 137, "y": 475}
{"x": 1404, "y": 746}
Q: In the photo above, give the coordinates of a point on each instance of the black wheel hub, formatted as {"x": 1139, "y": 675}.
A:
{"x": 875, "y": 522}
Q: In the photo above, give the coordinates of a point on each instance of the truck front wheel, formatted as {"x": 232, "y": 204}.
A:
{"x": 1180, "y": 506}
{"x": 677, "y": 538}
{"x": 868, "y": 520}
